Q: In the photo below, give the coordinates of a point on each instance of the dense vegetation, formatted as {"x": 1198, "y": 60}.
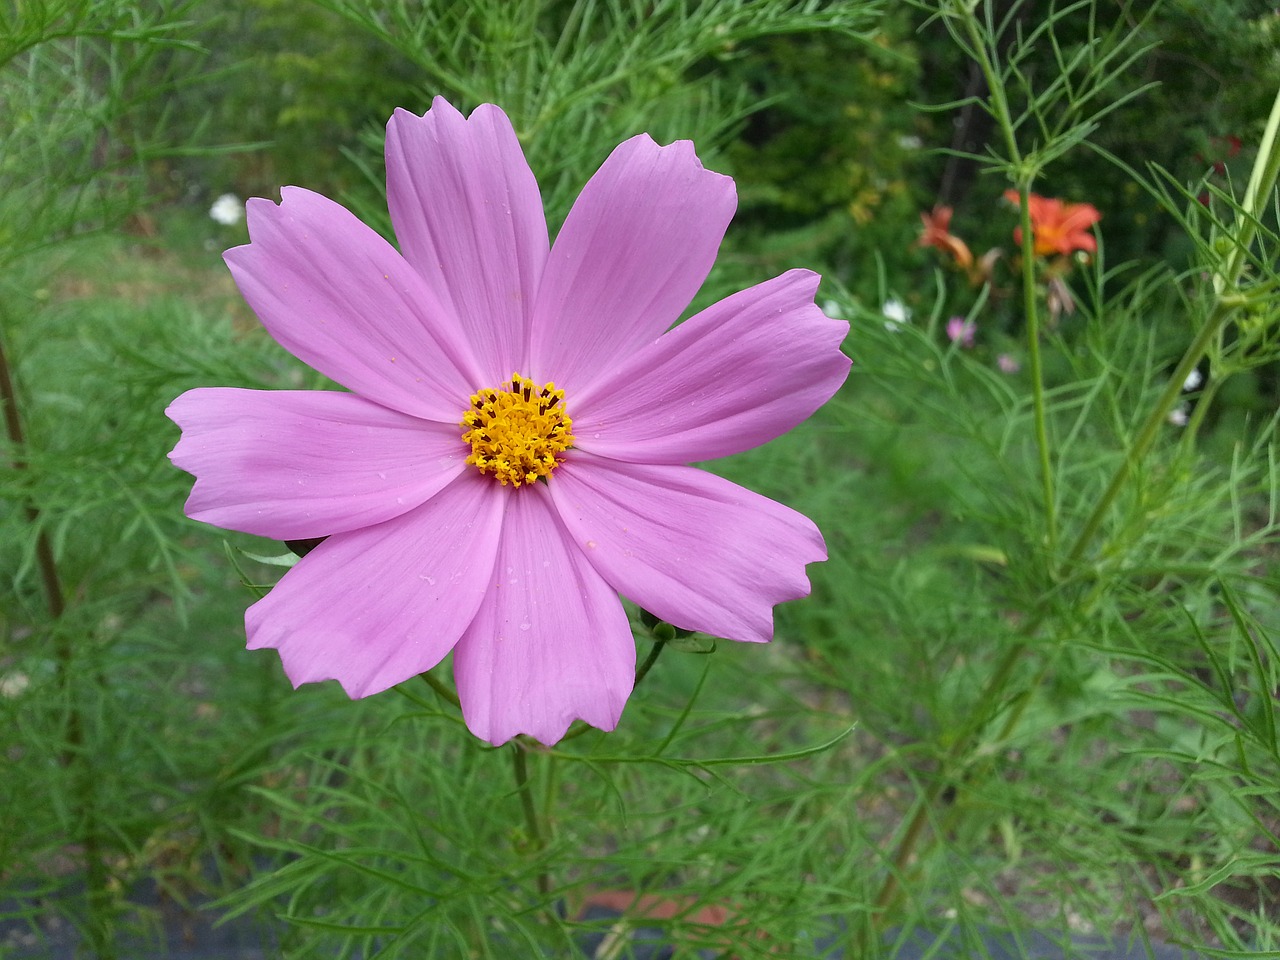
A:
{"x": 1035, "y": 685}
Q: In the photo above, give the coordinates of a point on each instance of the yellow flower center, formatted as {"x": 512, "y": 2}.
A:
{"x": 517, "y": 431}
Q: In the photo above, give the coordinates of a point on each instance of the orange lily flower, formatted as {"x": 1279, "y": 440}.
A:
{"x": 937, "y": 233}
{"x": 1058, "y": 227}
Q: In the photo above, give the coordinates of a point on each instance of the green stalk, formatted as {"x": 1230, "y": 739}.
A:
{"x": 1204, "y": 403}
{"x": 994, "y": 689}
{"x": 73, "y": 751}
{"x": 44, "y": 549}
{"x": 442, "y": 690}
{"x": 649, "y": 661}
{"x": 1227, "y": 300}
{"x": 520, "y": 768}
{"x": 1049, "y": 501}
{"x": 1262, "y": 182}
{"x": 1004, "y": 120}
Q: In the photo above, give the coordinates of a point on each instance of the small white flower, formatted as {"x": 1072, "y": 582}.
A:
{"x": 1193, "y": 381}
{"x": 1178, "y": 416}
{"x": 227, "y": 210}
{"x": 910, "y": 142}
{"x": 13, "y": 684}
{"x": 895, "y": 314}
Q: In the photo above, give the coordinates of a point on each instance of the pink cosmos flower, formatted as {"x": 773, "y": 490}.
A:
{"x": 962, "y": 331}
{"x": 513, "y": 452}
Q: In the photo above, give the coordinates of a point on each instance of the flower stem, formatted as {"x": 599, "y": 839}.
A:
{"x": 441, "y": 689}
{"x": 1032, "y": 314}
{"x": 1227, "y": 300}
{"x": 73, "y": 751}
{"x": 994, "y": 690}
{"x": 959, "y": 746}
{"x": 649, "y": 661}
{"x": 44, "y": 549}
{"x": 1024, "y": 176}
{"x": 520, "y": 767}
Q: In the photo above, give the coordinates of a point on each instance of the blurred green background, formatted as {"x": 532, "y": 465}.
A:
{"x": 152, "y": 765}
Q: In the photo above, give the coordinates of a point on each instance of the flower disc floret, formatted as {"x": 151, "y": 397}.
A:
{"x": 518, "y": 431}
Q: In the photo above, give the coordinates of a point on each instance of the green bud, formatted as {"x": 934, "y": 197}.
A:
{"x": 693, "y": 643}
{"x": 663, "y": 632}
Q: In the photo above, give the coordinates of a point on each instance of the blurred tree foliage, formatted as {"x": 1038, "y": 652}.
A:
{"x": 1207, "y": 82}
{"x": 294, "y": 88}
{"x": 833, "y": 159}
{"x": 836, "y": 163}
{"x": 840, "y": 162}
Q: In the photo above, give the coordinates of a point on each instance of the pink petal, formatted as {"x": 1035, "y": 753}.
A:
{"x": 373, "y": 607}
{"x": 739, "y": 373}
{"x": 551, "y": 642}
{"x": 468, "y": 215}
{"x": 341, "y": 299}
{"x": 295, "y": 464}
{"x": 692, "y": 548}
{"x": 634, "y": 250}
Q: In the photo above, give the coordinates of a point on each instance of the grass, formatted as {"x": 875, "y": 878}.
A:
{"x": 1138, "y": 767}
{"x": 1013, "y": 699}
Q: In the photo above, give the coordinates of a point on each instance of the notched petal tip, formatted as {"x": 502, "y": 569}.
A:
{"x": 752, "y": 366}
{"x": 439, "y": 106}
{"x": 374, "y": 607}
{"x": 637, "y": 245}
{"x": 551, "y": 644}
{"x": 692, "y": 548}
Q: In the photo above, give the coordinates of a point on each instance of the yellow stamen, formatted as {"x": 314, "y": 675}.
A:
{"x": 517, "y": 431}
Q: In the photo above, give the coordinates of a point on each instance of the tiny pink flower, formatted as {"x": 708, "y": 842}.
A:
{"x": 961, "y": 331}
{"x": 1008, "y": 363}
{"x": 513, "y": 452}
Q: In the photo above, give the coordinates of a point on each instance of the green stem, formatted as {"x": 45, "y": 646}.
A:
{"x": 520, "y": 768}
{"x": 649, "y": 661}
{"x": 960, "y": 746}
{"x": 1032, "y": 313}
{"x": 1149, "y": 430}
{"x": 994, "y": 689}
{"x": 440, "y": 688}
{"x": 73, "y": 751}
{"x": 995, "y": 87}
{"x": 1204, "y": 403}
{"x": 44, "y": 549}
{"x": 1227, "y": 299}
{"x": 1262, "y": 181}
{"x": 1003, "y": 117}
